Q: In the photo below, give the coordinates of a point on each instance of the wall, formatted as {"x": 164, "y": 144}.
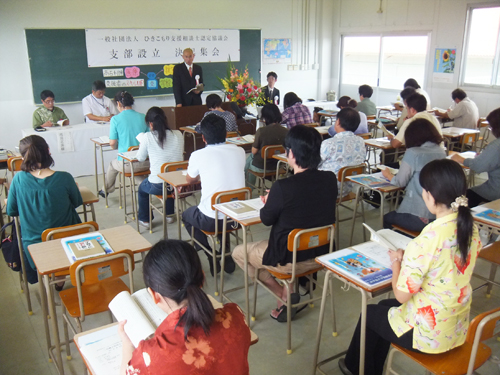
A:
{"x": 277, "y": 18}
{"x": 444, "y": 19}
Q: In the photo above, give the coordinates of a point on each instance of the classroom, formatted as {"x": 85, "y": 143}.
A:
{"x": 316, "y": 29}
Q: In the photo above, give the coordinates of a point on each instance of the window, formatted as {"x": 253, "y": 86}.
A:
{"x": 383, "y": 61}
{"x": 482, "y": 49}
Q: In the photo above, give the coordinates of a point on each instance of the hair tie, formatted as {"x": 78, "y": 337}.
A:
{"x": 459, "y": 201}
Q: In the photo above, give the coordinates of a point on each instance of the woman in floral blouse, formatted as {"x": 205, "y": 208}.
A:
{"x": 195, "y": 338}
{"x": 431, "y": 279}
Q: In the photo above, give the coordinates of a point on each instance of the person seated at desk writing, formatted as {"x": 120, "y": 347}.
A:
{"x": 214, "y": 103}
{"x": 161, "y": 145}
{"x": 295, "y": 112}
{"x": 271, "y": 93}
{"x": 305, "y": 200}
{"x": 48, "y": 115}
{"x": 345, "y": 148}
{"x": 366, "y": 105}
{"x": 219, "y": 167}
{"x": 463, "y": 111}
{"x": 122, "y": 134}
{"x": 271, "y": 134}
{"x": 422, "y": 146}
{"x": 486, "y": 161}
{"x": 430, "y": 279}
{"x": 41, "y": 197}
{"x": 194, "y": 338}
{"x": 405, "y": 94}
{"x": 346, "y": 102}
{"x": 96, "y": 106}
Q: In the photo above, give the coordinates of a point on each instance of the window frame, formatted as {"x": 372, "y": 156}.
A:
{"x": 465, "y": 48}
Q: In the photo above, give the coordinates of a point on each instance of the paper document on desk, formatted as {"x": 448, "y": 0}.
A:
{"x": 390, "y": 239}
{"x": 241, "y": 209}
{"x": 102, "y": 350}
{"x": 249, "y": 138}
{"x": 104, "y": 139}
{"x": 84, "y": 246}
{"x": 375, "y": 180}
{"x": 131, "y": 155}
{"x": 465, "y": 155}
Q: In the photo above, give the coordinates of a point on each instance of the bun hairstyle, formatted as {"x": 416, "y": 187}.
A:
{"x": 35, "y": 153}
{"x": 157, "y": 117}
{"x": 445, "y": 180}
{"x": 124, "y": 98}
{"x": 172, "y": 268}
{"x": 346, "y": 101}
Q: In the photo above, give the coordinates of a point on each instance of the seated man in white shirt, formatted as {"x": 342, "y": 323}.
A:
{"x": 416, "y": 105}
{"x": 463, "y": 111}
{"x": 219, "y": 167}
{"x": 96, "y": 106}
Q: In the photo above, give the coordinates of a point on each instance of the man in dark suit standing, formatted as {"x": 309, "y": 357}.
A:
{"x": 271, "y": 93}
{"x": 187, "y": 76}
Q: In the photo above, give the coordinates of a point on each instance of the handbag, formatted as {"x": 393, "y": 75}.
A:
{"x": 10, "y": 247}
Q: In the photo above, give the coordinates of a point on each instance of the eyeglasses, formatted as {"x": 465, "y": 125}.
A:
{"x": 49, "y": 101}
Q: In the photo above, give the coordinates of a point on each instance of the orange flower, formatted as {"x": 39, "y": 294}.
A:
{"x": 230, "y": 90}
{"x": 196, "y": 353}
{"x": 238, "y": 80}
{"x": 223, "y": 317}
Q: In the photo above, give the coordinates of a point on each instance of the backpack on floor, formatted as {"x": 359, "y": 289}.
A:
{"x": 10, "y": 247}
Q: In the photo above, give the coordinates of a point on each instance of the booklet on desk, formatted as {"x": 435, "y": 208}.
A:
{"x": 83, "y": 246}
{"x": 131, "y": 155}
{"x": 374, "y": 180}
{"x": 241, "y": 209}
{"x": 486, "y": 214}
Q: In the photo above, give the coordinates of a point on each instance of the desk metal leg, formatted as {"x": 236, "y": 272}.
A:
{"x": 45, "y": 313}
{"x": 247, "y": 301}
{"x": 165, "y": 192}
{"x": 364, "y": 301}
{"x": 320, "y": 322}
{"x": 95, "y": 169}
{"x": 55, "y": 328}
{"x": 178, "y": 212}
{"x": 134, "y": 200}
{"x": 224, "y": 231}
{"x": 104, "y": 179}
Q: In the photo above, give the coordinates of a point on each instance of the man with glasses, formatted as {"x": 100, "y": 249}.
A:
{"x": 48, "y": 115}
{"x": 96, "y": 106}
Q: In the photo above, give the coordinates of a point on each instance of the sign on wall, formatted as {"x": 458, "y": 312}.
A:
{"x": 277, "y": 51}
{"x": 128, "y": 47}
{"x": 444, "y": 64}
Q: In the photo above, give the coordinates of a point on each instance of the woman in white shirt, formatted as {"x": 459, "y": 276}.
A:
{"x": 162, "y": 145}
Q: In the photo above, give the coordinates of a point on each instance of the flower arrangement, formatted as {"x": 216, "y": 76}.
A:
{"x": 240, "y": 88}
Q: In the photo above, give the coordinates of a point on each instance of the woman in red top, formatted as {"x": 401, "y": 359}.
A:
{"x": 195, "y": 337}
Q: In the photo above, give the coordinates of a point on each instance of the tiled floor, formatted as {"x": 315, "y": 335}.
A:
{"x": 22, "y": 339}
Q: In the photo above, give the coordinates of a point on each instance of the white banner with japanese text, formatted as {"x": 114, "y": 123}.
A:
{"x": 122, "y": 47}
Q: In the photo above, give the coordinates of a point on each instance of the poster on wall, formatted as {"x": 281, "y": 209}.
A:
{"x": 444, "y": 65}
{"x": 131, "y": 47}
{"x": 277, "y": 51}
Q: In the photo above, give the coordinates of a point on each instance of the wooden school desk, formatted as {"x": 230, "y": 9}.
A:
{"x": 366, "y": 294}
{"x": 50, "y": 257}
{"x": 383, "y": 144}
{"x": 103, "y": 147}
{"x": 488, "y": 225}
{"x": 452, "y": 135}
{"x": 189, "y": 131}
{"x": 88, "y": 199}
{"x": 281, "y": 159}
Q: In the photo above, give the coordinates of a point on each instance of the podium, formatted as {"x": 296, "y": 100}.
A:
{"x": 179, "y": 117}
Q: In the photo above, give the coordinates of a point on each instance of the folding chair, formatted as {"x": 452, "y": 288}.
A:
{"x": 461, "y": 360}
{"x": 341, "y": 177}
{"x": 221, "y": 197}
{"x": 267, "y": 153}
{"x": 97, "y": 281}
{"x": 298, "y": 240}
{"x": 167, "y": 167}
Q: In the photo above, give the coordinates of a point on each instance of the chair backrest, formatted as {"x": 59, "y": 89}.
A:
{"x": 469, "y": 138}
{"x": 305, "y": 239}
{"x": 14, "y": 164}
{"x": 365, "y": 135}
{"x": 267, "y": 152}
{"x": 312, "y": 124}
{"x": 371, "y": 117}
{"x": 133, "y": 148}
{"x": 231, "y": 195}
{"x": 231, "y": 134}
{"x": 350, "y": 171}
{"x": 174, "y": 166}
{"x": 69, "y": 230}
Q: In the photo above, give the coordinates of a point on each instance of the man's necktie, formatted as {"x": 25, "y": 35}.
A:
{"x": 191, "y": 71}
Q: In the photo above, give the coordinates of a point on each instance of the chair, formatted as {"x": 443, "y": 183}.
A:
{"x": 365, "y": 135}
{"x": 23, "y": 280}
{"x": 97, "y": 281}
{"x": 298, "y": 240}
{"x": 89, "y": 199}
{"x": 482, "y": 123}
{"x": 267, "y": 153}
{"x": 468, "y": 140}
{"x": 408, "y": 232}
{"x": 221, "y": 197}
{"x": 167, "y": 167}
{"x": 341, "y": 177}
{"x": 491, "y": 254}
{"x": 312, "y": 124}
{"x": 461, "y": 360}
{"x": 14, "y": 164}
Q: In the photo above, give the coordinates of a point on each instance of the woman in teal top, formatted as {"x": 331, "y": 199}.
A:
{"x": 41, "y": 197}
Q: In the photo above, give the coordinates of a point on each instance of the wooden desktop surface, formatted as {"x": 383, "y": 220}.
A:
{"x": 175, "y": 178}
{"x": 50, "y": 257}
{"x": 457, "y": 132}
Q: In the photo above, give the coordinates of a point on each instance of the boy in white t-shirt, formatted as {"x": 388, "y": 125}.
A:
{"x": 219, "y": 167}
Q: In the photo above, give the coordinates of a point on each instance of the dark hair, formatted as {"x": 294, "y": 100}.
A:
{"x": 213, "y": 129}
{"x": 172, "y": 268}
{"x": 494, "y": 119}
{"x": 417, "y": 102}
{"x": 317, "y": 109}
{"x": 346, "y": 101}
{"x": 125, "y": 98}
{"x": 445, "y": 180}
{"x": 411, "y": 83}
{"x": 366, "y": 91}
{"x": 458, "y": 94}
{"x": 407, "y": 92}
{"x": 46, "y": 94}
{"x": 349, "y": 119}
{"x": 290, "y": 99}
{"x": 420, "y": 131}
{"x": 157, "y": 117}
{"x": 35, "y": 153}
{"x": 272, "y": 74}
{"x": 213, "y": 101}
{"x": 98, "y": 86}
{"x": 305, "y": 142}
{"x": 271, "y": 114}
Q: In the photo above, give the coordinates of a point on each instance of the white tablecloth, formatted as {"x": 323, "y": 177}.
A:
{"x": 320, "y": 103}
{"x": 72, "y": 149}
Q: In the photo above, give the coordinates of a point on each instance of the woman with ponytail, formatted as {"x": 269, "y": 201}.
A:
{"x": 41, "y": 197}
{"x": 162, "y": 145}
{"x": 430, "y": 279}
{"x": 195, "y": 337}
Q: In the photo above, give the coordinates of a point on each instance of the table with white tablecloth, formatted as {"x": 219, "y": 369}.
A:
{"x": 72, "y": 149}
